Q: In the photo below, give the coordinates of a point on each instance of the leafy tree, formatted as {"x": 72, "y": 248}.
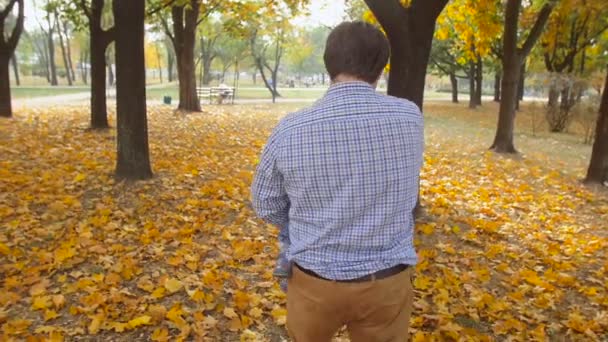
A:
{"x": 300, "y": 53}
{"x": 512, "y": 60}
{"x": 8, "y": 44}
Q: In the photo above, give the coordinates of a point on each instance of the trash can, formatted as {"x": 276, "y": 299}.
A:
{"x": 167, "y": 100}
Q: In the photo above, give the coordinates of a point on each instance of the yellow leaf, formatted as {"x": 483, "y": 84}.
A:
{"x": 40, "y": 303}
{"x": 158, "y": 293}
{"x": 241, "y": 299}
{"x": 58, "y": 301}
{"x": 95, "y": 324}
{"x": 255, "y": 312}
{"x": 4, "y": 249}
{"x": 173, "y": 285}
{"x": 160, "y": 335}
{"x": 50, "y": 314}
{"x": 280, "y": 315}
{"x": 141, "y": 320}
{"x": 79, "y": 177}
{"x": 230, "y": 313}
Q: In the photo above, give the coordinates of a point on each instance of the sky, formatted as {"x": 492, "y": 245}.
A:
{"x": 322, "y": 12}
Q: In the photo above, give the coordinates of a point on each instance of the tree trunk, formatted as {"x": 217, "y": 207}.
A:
{"x": 521, "y": 84}
{"x": 98, "y": 43}
{"x": 410, "y": 33}
{"x": 133, "y": 161}
{"x": 84, "y": 57}
{"x": 207, "y": 70}
{"x": 254, "y": 77}
{"x": 512, "y": 60}
{"x": 170, "y": 60}
{"x": 478, "y": 81}
{"x": 69, "y": 51}
{"x": 8, "y": 44}
{"x": 511, "y": 63}
{"x": 553, "y": 96}
{"x": 497, "y": 79}
{"x": 6, "y": 109}
{"x": 472, "y": 93}
{"x": 66, "y": 64}
{"x": 51, "y": 50}
{"x": 15, "y": 69}
{"x": 598, "y": 166}
{"x": 454, "y": 83}
{"x": 184, "y": 28}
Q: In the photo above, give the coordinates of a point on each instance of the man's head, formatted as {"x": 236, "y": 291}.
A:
{"x": 356, "y": 50}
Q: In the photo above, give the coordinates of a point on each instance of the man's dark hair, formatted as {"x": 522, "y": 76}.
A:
{"x": 357, "y": 49}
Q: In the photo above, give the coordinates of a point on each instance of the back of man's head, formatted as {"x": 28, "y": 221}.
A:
{"x": 356, "y": 49}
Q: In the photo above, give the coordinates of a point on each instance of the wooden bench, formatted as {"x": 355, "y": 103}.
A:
{"x": 221, "y": 94}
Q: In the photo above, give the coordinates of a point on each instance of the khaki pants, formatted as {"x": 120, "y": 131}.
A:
{"x": 376, "y": 310}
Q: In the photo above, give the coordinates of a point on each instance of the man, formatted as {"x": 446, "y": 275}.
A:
{"x": 342, "y": 178}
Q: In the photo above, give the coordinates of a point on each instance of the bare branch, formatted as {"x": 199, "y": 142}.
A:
{"x": 537, "y": 29}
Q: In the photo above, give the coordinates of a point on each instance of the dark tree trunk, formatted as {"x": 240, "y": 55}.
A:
{"x": 472, "y": 74}
{"x": 553, "y": 96}
{"x": 184, "y": 29}
{"x": 254, "y": 77}
{"x": 478, "y": 81}
{"x": 15, "y": 69}
{"x": 521, "y": 84}
{"x": 66, "y": 64}
{"x": 410, "y": 33}
{"x": 51, "y": 49}
{"x": 8, "y": 44}
{"x": 69, "y": 51}
{"x": 207, "y": 71}
{"x": 512, "y": 60}
{"x": 133, "y": 160}
{"x": 497, "y": 79}
{"x": 6, "y": 109}
{"x": 598, "y": 167}
{"x": 170, "y": 61}
{"x": 98, "y": 43}
{"x": 84, "y": 73}
{"x": 454, "y": 83}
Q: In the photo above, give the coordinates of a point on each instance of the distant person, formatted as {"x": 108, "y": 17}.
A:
{"x": 340, "y": 180}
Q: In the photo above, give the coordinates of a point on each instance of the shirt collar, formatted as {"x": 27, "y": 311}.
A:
{"x": 349, "y": 87}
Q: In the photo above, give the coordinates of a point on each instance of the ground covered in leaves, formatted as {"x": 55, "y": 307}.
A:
{"x": 510, "y": 248}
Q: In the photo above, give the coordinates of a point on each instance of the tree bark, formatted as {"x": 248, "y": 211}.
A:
{"x": 184, "y": 30}
{"x": 69, "y": 51}
{"x": 410, "y": 34}
{"x": 6, "y": 109}
{"x": 512, "y": 60}
{"x": 8, "y": 44}
{"x": 454, "y": 83}
{"x": 497, "y": 79}
{"x": 51, "y": 50}
{"x": 133, "y": 161}
{"x": 521, "y": 85}
{"x": 15, "y": 69}
{"x": 84, "y": 73}
{"x": 170, "y": 62}
{"x": 478, "y": 81}
{"x": 98, "y": 44}
{"x": 472, "y": 99}
{"x": 66, "y": 64}
{"x": 598, "y": 166}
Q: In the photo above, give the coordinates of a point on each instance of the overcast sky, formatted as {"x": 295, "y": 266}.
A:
{"x": 322, "y": 12}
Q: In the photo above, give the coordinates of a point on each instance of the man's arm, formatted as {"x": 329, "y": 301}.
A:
{"x": 269, "y": 198}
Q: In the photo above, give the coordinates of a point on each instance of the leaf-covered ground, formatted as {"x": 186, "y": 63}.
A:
{"x": 510, "y": 248}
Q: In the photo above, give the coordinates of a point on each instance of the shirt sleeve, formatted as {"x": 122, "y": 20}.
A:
{"x": 269, "y": 198}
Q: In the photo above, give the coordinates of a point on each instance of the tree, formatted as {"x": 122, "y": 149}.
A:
{"x": 598, "y": 167}
{"x": 445, "y": 63}
{"x": 50, "y": 8}
{"x": 186, "y": 15}
{"x": 64, "y": 50}
{"x": 410, "y": 32}
{"x": 513, "y": 58}
{"x": 210, "y": 32}
{"x": 133, "y": 161}
{"x": 300, "y": 53}
{"x": 574, "y": 27}
{"x": 267, "y": 52}
{"x": 8, "y": 44}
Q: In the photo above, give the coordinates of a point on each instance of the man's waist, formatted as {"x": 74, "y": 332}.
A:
{"x": 381, "y": 274}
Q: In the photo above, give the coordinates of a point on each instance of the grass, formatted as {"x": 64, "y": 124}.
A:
{"x": 32, "y": 92}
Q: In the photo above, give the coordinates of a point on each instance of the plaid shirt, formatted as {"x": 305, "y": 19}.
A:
{"x": 342, "y": 177}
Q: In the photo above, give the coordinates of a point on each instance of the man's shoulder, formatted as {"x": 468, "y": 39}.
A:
{"x": 409, "y": 108}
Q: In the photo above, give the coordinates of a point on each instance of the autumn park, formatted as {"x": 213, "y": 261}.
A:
{"x": 131, "y": 130}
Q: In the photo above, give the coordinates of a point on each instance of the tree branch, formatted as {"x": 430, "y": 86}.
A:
{"x": 18, "y": 29}
{"x": 85, "y": 9}
{"x": 8, "y": 9}
{"x": 537, "y": 29}
{"x": 390, "y": 14}
{"x": 160, "y": 8}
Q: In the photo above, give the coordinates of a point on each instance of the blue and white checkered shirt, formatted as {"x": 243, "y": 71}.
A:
{"x": 343, "y": 176}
